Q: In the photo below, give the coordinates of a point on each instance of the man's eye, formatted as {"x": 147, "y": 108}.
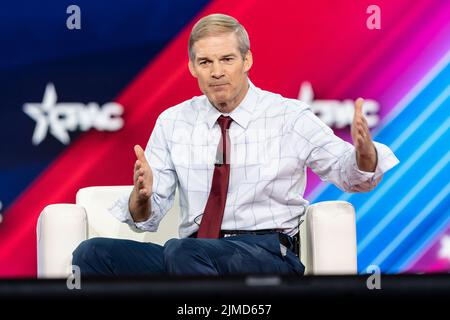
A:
{"x": 203, "y": 62}
{"x": 228, "y": 59}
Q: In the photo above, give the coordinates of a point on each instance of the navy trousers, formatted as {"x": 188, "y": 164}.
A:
{"x": 242, "y": 254}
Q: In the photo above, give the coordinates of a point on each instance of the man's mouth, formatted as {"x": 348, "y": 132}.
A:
{"x": 218, "y": 84}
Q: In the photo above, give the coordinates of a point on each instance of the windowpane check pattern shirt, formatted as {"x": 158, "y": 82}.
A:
{"x": 273, "y": 140}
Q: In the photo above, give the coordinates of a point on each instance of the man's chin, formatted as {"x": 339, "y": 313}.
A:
{"x": 218, "y": 101}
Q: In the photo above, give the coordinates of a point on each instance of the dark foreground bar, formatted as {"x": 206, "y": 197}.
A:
{"x": 232, "y": 293}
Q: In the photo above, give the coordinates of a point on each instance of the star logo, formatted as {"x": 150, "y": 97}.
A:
{"x": 60, "y": 118}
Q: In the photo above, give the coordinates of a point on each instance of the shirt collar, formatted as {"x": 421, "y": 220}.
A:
{"x": 243, "y": 112}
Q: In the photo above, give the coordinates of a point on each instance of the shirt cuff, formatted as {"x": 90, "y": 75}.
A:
{"x": 386, "y": 160}
{"x": 120, "y": 210}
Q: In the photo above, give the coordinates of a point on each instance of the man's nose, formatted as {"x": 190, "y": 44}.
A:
{"x": 217, "y": 70}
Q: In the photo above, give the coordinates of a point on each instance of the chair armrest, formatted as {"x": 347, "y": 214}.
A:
{"x": 331, "y": 238}
{"x": 60, "y": 229}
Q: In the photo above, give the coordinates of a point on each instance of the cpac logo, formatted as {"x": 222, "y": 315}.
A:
{"x": 63, "y": 117}
{"x": 337, "y": 113}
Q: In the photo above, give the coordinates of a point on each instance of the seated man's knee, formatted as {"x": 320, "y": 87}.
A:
{"x": 188, "y": 257}
{"x": 180, "y": 250}
{"x": 90, "y": 250}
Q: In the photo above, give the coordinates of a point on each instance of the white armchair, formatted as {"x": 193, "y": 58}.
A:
{"x": 327, "y": 233}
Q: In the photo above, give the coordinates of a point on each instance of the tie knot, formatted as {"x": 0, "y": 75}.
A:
{"x": 224, "y": 122}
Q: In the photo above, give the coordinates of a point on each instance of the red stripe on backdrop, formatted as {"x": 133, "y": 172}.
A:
{"x": 285, "y": 36}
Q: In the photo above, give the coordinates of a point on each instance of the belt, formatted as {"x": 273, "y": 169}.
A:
{"x": 292, "y": 243}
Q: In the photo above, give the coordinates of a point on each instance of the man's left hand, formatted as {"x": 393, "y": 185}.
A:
{"x": 366, "y": 154}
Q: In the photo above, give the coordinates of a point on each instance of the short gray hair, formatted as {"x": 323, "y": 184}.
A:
{"x": 216, "y": 24}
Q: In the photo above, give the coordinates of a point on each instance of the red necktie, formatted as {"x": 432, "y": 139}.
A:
{"x": 215, "y": 206}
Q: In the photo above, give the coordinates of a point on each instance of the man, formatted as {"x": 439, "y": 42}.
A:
{"x": 239, "y": 156}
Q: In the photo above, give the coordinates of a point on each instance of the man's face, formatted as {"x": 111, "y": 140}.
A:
{"x": 221, "y": 70}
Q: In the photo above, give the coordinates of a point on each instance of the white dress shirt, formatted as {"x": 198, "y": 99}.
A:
{"x": 273, "y": 140}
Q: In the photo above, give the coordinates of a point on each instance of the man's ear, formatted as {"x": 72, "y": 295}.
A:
{"x": 192, "y": 68}
{"x": 248, "y": 61}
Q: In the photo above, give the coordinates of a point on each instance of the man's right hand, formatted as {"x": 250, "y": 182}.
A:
{"x": 143, "y": 182}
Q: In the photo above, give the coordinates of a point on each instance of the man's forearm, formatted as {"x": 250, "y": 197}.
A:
{"x": 140, "y": 211}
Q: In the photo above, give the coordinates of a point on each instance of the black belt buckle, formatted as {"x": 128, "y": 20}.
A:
{"x": 292, "y": 243}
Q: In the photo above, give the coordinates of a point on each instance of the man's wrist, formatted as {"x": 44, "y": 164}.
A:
{"x": 139, "y": 210}
{"x": 367, "y": 162}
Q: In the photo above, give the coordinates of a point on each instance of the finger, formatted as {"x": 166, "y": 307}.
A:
{"x": 361, "y": 120}
{"x": 361, "y": 126}
{"x": 137, "y": 165}
{"x": 364, "y": 120}
{"x": 367, "y": 134}
{"x": 136, "y": 181}
{"x": 357, "y": 120}
{"x": 377, "y": 181}
{"x": 138, "y": 174}
{"x": 358, "y": 106}
{"x": 358, "y": 130}
{"x": 139, "y": 153}
{"x": 359, "y": 144}
{"x": 362, "y": 187}
{"x": 356, "y": 189}
{"x": 362, "y": 132}
{"x": 140, "y": 181}
{"x": 361, "y": 140}
{"x": 144, "y": 192}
